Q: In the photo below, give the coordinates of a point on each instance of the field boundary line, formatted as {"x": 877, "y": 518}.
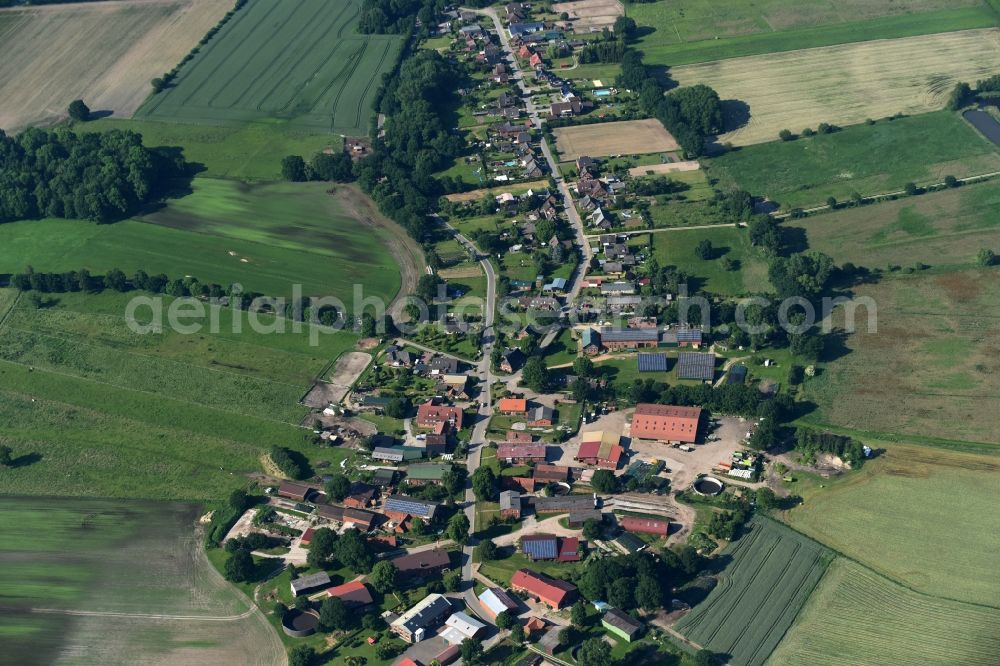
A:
{"x": 10, "y": 310}
{"x": 145, "y": 616}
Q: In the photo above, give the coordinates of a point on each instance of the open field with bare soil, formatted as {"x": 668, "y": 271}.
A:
{"x": 930, "y": 371}
{"x": 845, "y": 84}
{"x": 116, "y": 582}
{"x": 630, "y": 137}
{"x": 103, "y": 52}
{"x": 858, "y": 618}
{"x": 590, "y": 15}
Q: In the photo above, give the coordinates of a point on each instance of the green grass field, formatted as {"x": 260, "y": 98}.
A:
{"x": 296, "y": 61}
{"x": 129, "y": 558}
{"x": 942, "y": 229}
{"x": 928, "y": 369}
{"x": 97, "y": 410}
{"x": 690, "y": 31}
{"x": 869, "y": 159}
{"x": 920, "y": 516}
{"x": 677, "y": 248}
{"x": 858, "y": 618}
{"x": 247, "y": 152}
{"x": 772, "y": 573}
{"x": 265, "y": 237}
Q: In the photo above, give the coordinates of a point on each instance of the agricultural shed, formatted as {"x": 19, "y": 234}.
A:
{"x": 579, "y": 517}
{"x": 547, "y": 473}
{"x": 495, "y": 600}
{"x": 645, "y": 525}
{"x": 652, "y": 362}
{"x": 665, "y": 423}
{"x": 461, "y": 627}
{"x": 424, "y": 563}
{"x": 540, "y": 547}
{"x": 694, "y": 365}
{"x": 630, "y": 542}
{"x": 354, "y": 594}
{"x": 299, "y": 492}
{"x": 551, "y": 591}
{"x": 410, "y": 506}
{"x": 600, "y": 448}
{"x": 621, "y": 624}
{"x": 429, "y": 473}
{"x": 311, "y": 583}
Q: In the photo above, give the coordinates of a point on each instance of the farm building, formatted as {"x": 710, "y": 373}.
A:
{"x": 384, "y": 478}
{"x": 414, "y": 625}
{"x": 548, "y": 547}
{"x": 430, "y": 414}
{"x": 577, "y": 518}
{"x": 645, "y": 525}
{"x": 448, "y": 655}
{"x": 521, "y": 453}
{"x": 518, "y": 437}
{"x": 562, "y": 504}
{"x": 307, "y": 537}
{"x": 630, "y": 542}
{"x": 629, "y": 338}
{"x": 652, "y": 362}
{"x": 401, "y": 505}
{"x": 299, "y": 492}
{"x": 361, "y": 519}
{"x": 435, "y": 444}
{"x": 600, "y": 448}
{"x": 460, "y": 627}
{"x": 541, "y": 416}
{"x": 549, "y": 642}
{"x": 397, "y": 453}
{"x": 311, "y": 583}
{"x": 621, "y": 624}
{"x": 354, "y": 594}
{"x": 428, "y": 473}
{"x": 422, "y": 564}
{"x": 590, "y": 342}
{"x": 550, "y": 473}
{"x": 360, "y": 497}
{"x": 510, "y": 504}
{"x": 551, "y": 591}
{"x": 694, "y": 365}
{"x": 665, "y": 423}
{"x": 495, "y": 600}
{"x": 512, "y": 406}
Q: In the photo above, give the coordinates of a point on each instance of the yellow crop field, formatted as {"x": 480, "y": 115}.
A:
{"x": 629, "y": 137}
{"x": 845, "y": 84}
{"x": 105, "y": 53}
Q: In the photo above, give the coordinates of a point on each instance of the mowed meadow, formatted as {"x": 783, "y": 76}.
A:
{"x": 845, "y": 84}
{"x": 137, "y": 572}
{"x": 104, "y": 52}
{"x": 868, "y": 159}
{"x": 300, "y": 62}
{"x": 688, "y": 31}
{"x": 92, "y": 408}
{"x": 266, "y": 237}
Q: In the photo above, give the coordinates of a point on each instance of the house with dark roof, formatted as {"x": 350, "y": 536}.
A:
{"x": 359, "y": 518}
{"x": 617, "y": 339}
{"x": 416, "y": 624}
{"x": 510, "y": 504}
{"x": 621, "y": 624}
{"x": 541, "y": 416}
{"x": 398, "y": 507}
{"x": 299, "y": 492}
{"x": 422, "y": 564}
{"x": 577, "y": 518}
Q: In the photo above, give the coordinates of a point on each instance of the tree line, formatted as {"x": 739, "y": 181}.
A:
{"x": 96, "y": 176}
{"x": 397, "y": 17}
{"x": 810, "y": 442}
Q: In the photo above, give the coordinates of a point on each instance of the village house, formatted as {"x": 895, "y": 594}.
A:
{"x": 400, "y": 507}
{"x": 360, "y": 497}
{"x": 495, "y": 600}
{"x": 415, "y": 624}
{"x": 431, "y": 413}
{"x": 541, "y": 416}
{"x": 363, "y": 520}
{"x": 601, "y": 448}
{"x": 512, "y": 360}
{"x": 521, "y": 453}
{"x": 510, "y": 504}
{"x": 428, "y": 473}
{"x": 512, "y": 406}
{"x": 422, "y": 564}
{"x": 460, "y": 627}
{"x": 354, "y": 594}
{"x": 551, "y": 473}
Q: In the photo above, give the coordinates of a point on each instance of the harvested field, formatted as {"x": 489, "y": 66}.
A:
{"x": 930, "y": 371}
{"x": 630, "y": 137}
{"x": 858, "y": 618}
{"x": 895, "y": 514}
{"x": 301, "y": 62}
{"x": 590, "y": 15}
{"x": 942, "y": 229}
{"x": 346, "y": 371}
{"x": 846, "y": 84}
{"x": 772, "y": 573}
{"x": 669, "y": 167}
{"x": 103, "y": 52}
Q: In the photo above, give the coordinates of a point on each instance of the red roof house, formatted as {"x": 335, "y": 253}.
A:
{"x": 601, "y": 449}
{"x": 665, "y": 423}
{"x": 512, "y": 406}
{"x": 645, "y": 525}
{"x": 551, "y": 591}
{"x": 521, "y": 453}
{"x": 354, "y": 594}
{"x": 307, "y": 536}
{"x": 430, "y": 415}
{"x": 569, "y": 549}
{"x": 518, "y": 437}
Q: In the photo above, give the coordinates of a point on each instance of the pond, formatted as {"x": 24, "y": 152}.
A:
{"x": 987, "y": 125}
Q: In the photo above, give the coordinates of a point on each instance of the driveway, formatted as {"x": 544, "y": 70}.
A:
{"x": 531, "y": 525}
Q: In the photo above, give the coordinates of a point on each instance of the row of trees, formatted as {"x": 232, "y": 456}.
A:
{"x": 289, "y": 462}
{"x": 330, "y": 551}
{"x": 397, "y": 17}
{"x": 100, "y": 177}
{"x": 810, "y": 442}
{"x": 336, "y": 167}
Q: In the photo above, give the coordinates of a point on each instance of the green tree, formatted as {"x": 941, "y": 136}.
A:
{"x": 487, "y": 550}
{"x": 333, "y": 614}
{"x": 705, "y": 658}
{"x": 911, "y": 189}
{"x": 506, "y": 620}
{"x": 353, "y": 551}
{"x": 583, "y": 367}
{"x": 594, "y": 652}
{"x": 986, "y": 257}
{"x": 78, "y": 110}
{"x": 535, "y": 374}
{"x": 471, "y": 651}
{"x": 458, "y": 528}
{"x": 484, "y": 484}
{"x": 625, "y": 27}
{"x": 322, "y": 548}
{"x": 453, "y": 581}
{"x": 961, "y": 95}
{"x": 517, "y": 633}
{"x": 766, "y": 500}
{"x": 621, "y": 593}
{"x": 333, "y": 166}
{"x": 786, "y": 135}
{"x": 6, "y": 456}
{"x": 384, "y": 576}
{"x": 648, "y": 593}
{"x": 604, "y": 481}
{"x": 593, "y": 530}
{"x": 704, "y": 249}
{"x": 239, "y": 567}
{"x": 578, "y": 614}
{"x": 293, "y": 168}
{"x": 301, "y": 655}
{"x": 338, "y": 487}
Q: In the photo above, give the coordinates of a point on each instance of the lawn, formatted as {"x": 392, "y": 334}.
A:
{"x": 802, "y": 173}
{"x": 98, "y": 410}
{"x": 248, "y": 152}
{"x": 690, "y": 31}
{"x": 772, "y": 572}
{"x": 300, "y": 62}
{"x": 748, "y": 273}
{"x": 124, "y": 558}
{"x": 267, "y": 238}
{"x": 501, "y": 570}
{"x": 896, "y": 514}
{"x": 856, "y": 617}
{"x": 924, "y": 370}
{"x": 563, "y": 349}
{"x": 942, "y": 229}
{"x": 103, "y": 53}
{"x": 843, "y": 85}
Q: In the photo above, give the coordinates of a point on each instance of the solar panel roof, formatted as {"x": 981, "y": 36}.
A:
{"x": 692, "y": 365}
{"x": 540, "y": 549}
{"x": 406, "y": 505}
{"x": 652, "y": 362}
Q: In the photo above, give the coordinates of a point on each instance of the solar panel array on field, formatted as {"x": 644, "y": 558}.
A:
{"x": 652, "y": 362}
{"x": 301, "y": 61}
{"x": 692, "y": 365}
{"x": 539, "y": 548}
{"x": 773, "y": 571}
